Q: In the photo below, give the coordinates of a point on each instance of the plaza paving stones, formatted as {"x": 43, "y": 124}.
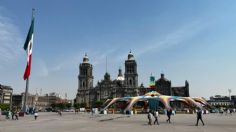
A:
{"x": 85, "y": 122}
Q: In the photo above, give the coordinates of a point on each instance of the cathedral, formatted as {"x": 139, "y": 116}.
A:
{"x": 123, "y": 86}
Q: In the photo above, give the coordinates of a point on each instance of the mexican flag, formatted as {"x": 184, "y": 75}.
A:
{"x": 28, "y": 48}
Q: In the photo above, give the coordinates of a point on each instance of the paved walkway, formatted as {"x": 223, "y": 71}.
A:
{"x": 69, "y": 122}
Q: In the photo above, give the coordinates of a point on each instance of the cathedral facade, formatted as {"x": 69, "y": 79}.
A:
{"x": 126, "y": 85}
{"x": 123, "y": 86}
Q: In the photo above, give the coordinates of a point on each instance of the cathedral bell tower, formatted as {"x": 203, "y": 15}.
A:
{"x": 85, "y": 74}
{"x": 131, "y": 75}
{"x": 85, "y": 80}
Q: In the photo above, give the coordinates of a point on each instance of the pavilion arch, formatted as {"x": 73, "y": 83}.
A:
{"x": 165, "y": 100}
{"x": 115, "y": 100}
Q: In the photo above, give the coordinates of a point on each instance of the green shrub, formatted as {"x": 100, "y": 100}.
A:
{"x": 4, "y": 106}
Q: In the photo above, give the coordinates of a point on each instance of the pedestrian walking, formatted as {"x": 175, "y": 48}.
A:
{"x": 169, "y": 112}
{"x": 16, "y": 115}
{"x": 8, "y": 115}
{"x": 199, "y": 117}
{"x": 228, "y": 111}
{"x": 12, "y": 115}
{"x": 59, "y": 112}
{"x": 156, "y": 114}
{"x": 35, "y": 115}
{"x": 149, "y": 118}
{"x": 76, "y": 111}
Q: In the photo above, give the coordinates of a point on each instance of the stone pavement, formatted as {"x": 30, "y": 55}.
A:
{"x": 82, "y": 122}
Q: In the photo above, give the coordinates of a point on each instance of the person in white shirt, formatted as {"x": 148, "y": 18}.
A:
{"x": 35, "y": 115}
{"x": 156, "y": 114}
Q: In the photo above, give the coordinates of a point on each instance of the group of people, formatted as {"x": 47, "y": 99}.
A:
{"x": 155, "y": 114}
{"x": 12, "y": 115}
{"x": 227, "y": 111}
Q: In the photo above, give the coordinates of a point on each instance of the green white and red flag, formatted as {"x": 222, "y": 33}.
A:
{"x": 28, "y": 46}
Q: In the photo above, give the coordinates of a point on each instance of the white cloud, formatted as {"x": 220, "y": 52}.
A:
{"x": 95, "y": 57}
{"x": 157, "y": 44}
{"x": 43, "y": 69}
{"x": 100, "y": 57}
{"x": 40, "y": 68}
{"x": 67, "y": 62}
{"x": 175, "y": 37}
{"x": 10, "y": 41}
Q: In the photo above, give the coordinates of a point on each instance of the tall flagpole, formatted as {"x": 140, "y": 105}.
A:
{"x": 26, "y": 95}
{"x": 27, "y": 80}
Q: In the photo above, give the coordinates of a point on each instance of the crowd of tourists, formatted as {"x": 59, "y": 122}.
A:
{"x": 152, "y": 114}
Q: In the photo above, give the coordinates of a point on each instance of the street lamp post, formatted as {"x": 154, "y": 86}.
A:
{"x": 229, "y": 90}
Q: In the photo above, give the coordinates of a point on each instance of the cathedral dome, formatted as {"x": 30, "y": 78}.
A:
{"x": 130, "y": 56}
{"x": 107, "y": 76}
{"x": 120, "y": 76}
{"x": 85, "y": 59}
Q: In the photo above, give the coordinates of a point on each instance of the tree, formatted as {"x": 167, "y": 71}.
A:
{"x": 76, "y": 105}
{"x": 61, "y": 106}
{"x": 98, "y": 104}
{"x": 68, "y": 105}
{"x": 82, "y": 105}
{"x": 4, "y": 106}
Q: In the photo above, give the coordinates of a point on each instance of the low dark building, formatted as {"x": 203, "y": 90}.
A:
{"x": 181, "y": 91}
{"x": 220, "y": 101}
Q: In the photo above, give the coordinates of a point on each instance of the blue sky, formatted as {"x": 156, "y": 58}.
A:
{"x": 186, "y": 39}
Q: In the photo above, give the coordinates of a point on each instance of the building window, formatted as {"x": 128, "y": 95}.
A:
{"x": 83, "y": 84}
{"x": 6, "y": 97}
{"x": 6, "y": 101}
